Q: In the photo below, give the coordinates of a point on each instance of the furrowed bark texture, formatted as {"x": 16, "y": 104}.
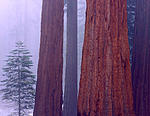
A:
{"x": 70, "y": 94}
{"x": 49, "y": 83}
{"x": 105, "y": 85}
{"x": 141, "y": 59}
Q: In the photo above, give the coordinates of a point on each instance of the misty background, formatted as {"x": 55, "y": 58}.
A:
{"x": 20, "y": 20}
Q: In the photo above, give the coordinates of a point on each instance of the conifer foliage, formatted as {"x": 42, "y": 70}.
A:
{"x": 19, "y": 81}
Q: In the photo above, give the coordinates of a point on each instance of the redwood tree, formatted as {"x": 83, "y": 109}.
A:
{"x": 70, "y": 94}
{"x": 141, "y": 59}
{"x": 105, "y": 85}
{"x": 49, "y": 83}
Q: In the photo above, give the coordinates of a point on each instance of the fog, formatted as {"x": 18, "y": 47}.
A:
{"x": 19, "y": 21}
{"x": 81, "y": 26}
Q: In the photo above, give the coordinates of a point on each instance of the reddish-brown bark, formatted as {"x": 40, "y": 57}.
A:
{"x": 105, "y": 85}
{"x": 141, "y": 59}
{"x": 49, "y": 83}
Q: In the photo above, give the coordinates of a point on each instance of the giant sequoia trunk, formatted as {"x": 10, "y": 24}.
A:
{"x": 105, "y": 85}
{"x": 49, "y": 82}
{"x": 70, "y": 95}
{"x": 141, "y": 59}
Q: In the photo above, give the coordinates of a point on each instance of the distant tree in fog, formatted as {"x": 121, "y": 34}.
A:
{"x": 19, "y": 82}
{"x": 70, "y": 92}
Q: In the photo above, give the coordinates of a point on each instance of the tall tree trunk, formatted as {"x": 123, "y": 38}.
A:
{"x": 141, "y": 59}
{"x": 19, "y": 82}
{"x": 70, "y": 94}
{"x": 105, "y": 85}
{"x": 49, "y": 83}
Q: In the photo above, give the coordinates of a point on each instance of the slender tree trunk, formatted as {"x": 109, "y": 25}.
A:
{"x": 70, "y": 95}
{"x": 19, "y": 77}
{"x": 141, "y": 59}
{"x": 19, "y": 104}
{"x": 105, "y": 85}
{"x": 49, "y": 83}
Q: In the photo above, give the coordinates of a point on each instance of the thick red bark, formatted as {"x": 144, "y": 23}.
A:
{"x": 141, "y": 59}
{"x": 49, "y": 83}
{"x": 105, "y": 85}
